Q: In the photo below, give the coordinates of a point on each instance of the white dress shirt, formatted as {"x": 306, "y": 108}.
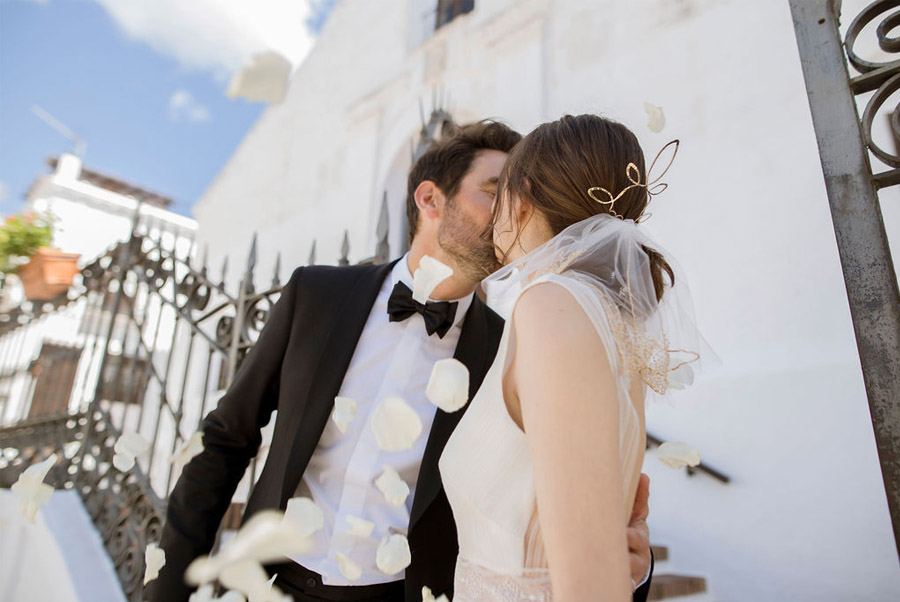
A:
{"x": 390, "y": 359}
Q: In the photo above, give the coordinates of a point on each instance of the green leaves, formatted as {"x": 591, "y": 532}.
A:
{"x": 21, "y": 235}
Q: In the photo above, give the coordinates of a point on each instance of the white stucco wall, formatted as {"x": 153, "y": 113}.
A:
{"x": 746, "y": 215}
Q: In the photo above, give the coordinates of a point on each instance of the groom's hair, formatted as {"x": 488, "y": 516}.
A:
{"x": 447, "y": 161}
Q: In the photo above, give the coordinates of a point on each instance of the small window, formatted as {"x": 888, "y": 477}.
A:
{"x": 125, "y": 378}
{"x": 447, "y": 10}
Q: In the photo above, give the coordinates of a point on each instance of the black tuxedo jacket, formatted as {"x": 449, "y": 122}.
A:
{"x": 297, "y": 367}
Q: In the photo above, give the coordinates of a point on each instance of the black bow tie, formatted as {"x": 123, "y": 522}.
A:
{"x": 438, "y": 315}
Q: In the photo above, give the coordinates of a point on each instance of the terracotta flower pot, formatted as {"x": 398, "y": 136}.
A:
{"x": 48, "y": 273}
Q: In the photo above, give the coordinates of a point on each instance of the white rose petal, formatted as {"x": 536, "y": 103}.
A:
{"x": 123, "y": 462}
{"x": 676, "y": 454}
{"x": 427, "y": 596}
{"x": 230, "y": 596}
{"x": 305, "y": 514}
{"x": 31, "y": 489}
{"x": 349, "y": 569}
{"x": 128, "y": 447}
{"x": 132, "y": 443}
{"x": 187, "y": 451}
{"x": 448, "y": 386}
{"x": 392, "y": 487}
{"x": 154, "y": 559}
{"x": 393, "y": 554}
{"x": 656, "y": 119}
{"x": 681, "y": 377}
{"x": 343, "y": 413}
{"x": 265, "y": 537}
{"x": 272, "y": 580}
{"x": 360, "y": 526}
{"x": 249, "y": 578}
{"x": 428, "y": 275}
{"x": 395, "y": 424}
{"x": 264, "y": 79}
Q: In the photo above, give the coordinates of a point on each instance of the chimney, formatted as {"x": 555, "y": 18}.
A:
{"x": 68, "y": 167}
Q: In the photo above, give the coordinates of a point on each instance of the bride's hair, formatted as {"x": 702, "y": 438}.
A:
{"x": 554, "y": 166}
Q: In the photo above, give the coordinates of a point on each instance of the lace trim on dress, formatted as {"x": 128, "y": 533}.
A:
{"x": 475, "y": 583}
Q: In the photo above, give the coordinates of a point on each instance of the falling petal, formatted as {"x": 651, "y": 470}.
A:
{"x": 392, "y": 487}
{"x": 656, "y": 119}
{"x": 123, "y": 461}
{"x": 448, "y": 387}
{"x": 343, "y": 413}
{"x": 393, "y": 554}
{"x": 249, "y": 578}
{"x": 360, "y": 526}
{"x": 428, "y": 275}
{"x": 131, "y": 443}
{"x": 305, "y": 514}
{"x": 187, "y": 451}
{"x": 154, "y": 559}
{"x": 395, "y": 424}
{"x": 128, "y": 447}
{"x": 427, "y": 596}
{"x": 349, "y": 569}
{"x": 681, "y": 377}
{"x": 31, "y": 489}
{"x": 265, "y": 79}
{"x": 676, "y": 454}
{"x": 265, "y": 537}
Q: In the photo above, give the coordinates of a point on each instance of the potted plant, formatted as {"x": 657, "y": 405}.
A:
{"x": 26, "y": 249}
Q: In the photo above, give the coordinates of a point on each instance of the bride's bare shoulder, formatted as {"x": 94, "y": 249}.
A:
{"x": 549, "y": 305}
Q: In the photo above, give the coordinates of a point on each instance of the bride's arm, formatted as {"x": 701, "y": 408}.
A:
{"x": 564, "y": 392}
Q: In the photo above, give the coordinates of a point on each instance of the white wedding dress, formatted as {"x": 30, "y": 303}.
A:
{"x": 486, "y": 465}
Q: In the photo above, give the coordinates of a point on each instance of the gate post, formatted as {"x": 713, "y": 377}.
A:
{"x": 869, "y": 275}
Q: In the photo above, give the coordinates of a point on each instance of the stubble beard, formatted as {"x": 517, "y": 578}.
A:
{"x": 470, "y": 247}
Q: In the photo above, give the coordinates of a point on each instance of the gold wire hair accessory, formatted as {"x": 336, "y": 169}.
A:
{"x": 653, "y": 187}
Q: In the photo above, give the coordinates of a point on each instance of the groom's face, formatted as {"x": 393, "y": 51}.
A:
{"x": 468, "y": 214}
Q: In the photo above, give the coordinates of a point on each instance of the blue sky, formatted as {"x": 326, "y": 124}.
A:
{"x": 147, "y": 98}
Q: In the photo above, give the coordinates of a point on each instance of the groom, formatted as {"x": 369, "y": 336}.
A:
{"x": 355, "y": 332}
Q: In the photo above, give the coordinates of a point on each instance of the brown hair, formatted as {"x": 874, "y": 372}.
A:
{"x": 447, "y": 161}
{"x": 555, "y": 165}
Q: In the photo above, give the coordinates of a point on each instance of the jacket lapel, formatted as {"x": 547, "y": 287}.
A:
{"x": 471, "y": 350}
{"x": 348, "y": 322}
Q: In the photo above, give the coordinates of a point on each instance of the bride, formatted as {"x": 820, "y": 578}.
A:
{"x": 542, "y": 468}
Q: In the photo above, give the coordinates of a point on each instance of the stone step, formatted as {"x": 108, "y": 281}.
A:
{"x": 668, "y": 586}
{"x": 660, "y": 553}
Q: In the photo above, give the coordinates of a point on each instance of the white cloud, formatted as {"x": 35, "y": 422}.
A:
{"x": 184, "y": 107}
{"x": 215, "y": 35}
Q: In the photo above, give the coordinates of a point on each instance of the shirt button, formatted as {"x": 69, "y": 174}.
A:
{"x": 310, "y": 582}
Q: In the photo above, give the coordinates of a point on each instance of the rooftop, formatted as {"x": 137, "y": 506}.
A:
{"x": 117, "y": 185}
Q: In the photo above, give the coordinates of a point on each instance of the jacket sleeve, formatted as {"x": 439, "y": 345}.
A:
{"x": 231, "y": 438}
{"x": 641, "y": 593}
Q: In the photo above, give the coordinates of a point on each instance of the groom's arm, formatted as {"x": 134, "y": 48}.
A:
{"x": 639, "y": 550}
{"x": 641, "y": 593}
{"x": 231, "y": 438}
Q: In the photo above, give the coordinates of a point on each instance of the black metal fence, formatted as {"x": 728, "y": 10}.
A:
{"x": 153, "y": 341}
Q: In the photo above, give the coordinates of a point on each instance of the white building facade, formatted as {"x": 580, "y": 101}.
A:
{"x": 804, "y": 515}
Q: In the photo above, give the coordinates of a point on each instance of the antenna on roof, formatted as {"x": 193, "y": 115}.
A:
{"x": 79, "y": 144}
